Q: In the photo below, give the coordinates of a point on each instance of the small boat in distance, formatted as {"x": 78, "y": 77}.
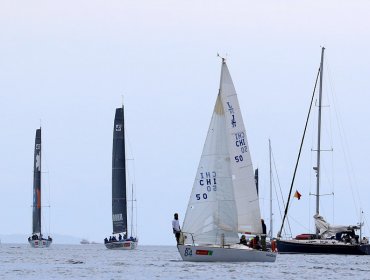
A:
{"x": 37, "y": 240}
{"x": 224, "y": 200}
{"x": 84, "y": 242}
{"x": 120, "y": 239}
{"x": 328, "y": 239}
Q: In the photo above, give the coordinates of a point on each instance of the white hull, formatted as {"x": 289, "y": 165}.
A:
{"x": 235, "y": 253}
{"x": 40, "y": 243}
{"x": 122, "y": 245}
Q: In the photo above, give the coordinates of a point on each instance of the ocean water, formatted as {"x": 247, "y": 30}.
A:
{"x": 163, "y": 262}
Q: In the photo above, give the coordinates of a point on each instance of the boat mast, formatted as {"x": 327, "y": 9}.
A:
{"x": 319, "y": 139}
{"x": 132, "y": 207}
{"x": 271, "y": 234}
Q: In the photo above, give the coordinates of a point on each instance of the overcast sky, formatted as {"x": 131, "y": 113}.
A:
{"x": 67, "y": 63}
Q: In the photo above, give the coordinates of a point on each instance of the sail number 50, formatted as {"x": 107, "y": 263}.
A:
{"x": 238, "y": 158}
{"x": 205, "y": 196}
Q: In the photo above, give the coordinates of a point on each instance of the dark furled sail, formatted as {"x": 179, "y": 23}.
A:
{"x": 36, "y": 213}
{"x": 119, "y": 201}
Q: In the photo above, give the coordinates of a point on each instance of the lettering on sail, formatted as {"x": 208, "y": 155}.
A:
{"x": 117, "y": 217}
{"x": 208, "y": 183}
{"x": 231, "y": 111}
{"x": 240, "y": 145}
{"x": 240, "y": 142}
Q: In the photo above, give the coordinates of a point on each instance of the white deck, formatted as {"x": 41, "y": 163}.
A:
{"x": 234, "y": 253}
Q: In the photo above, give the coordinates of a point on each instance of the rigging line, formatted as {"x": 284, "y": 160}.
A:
{"x": 278, "y": 201}
{"x": 300, "y": 224}
{"x": 281, "y": 192}
{"x": 330, "y": 89}
{"x": 366, "y": 223}
{"x": 131, "y": 178}
{"x": 314, "y": 127}
{"x": 346, "y": 154}
{"x": 299, "y": 154}
{"x": 328, "y": 126}
{"x": 310, "y": 177}
{"x": 333, "y": 186}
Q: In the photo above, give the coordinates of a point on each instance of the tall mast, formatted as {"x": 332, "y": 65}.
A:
{"x": 132, "y": 207}
{"x": 271, "y": 233}
{"x": 319, "y": 138}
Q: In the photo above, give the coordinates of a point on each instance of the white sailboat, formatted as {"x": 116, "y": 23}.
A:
{"x": 224, "y": 200}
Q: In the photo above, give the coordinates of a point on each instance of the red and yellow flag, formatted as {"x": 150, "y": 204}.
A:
{"x": 297, "y": 195}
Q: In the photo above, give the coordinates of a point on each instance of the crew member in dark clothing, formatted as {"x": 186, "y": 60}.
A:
{"x": 263, "y": 237}
{"x": 243, "y": 240}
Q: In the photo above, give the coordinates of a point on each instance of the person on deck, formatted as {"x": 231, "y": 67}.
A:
{"x": 263, "y": 236}
{"x": 243, "y": 240}
{"x": 176, "y": 227}
{"x": 256, "y": 243}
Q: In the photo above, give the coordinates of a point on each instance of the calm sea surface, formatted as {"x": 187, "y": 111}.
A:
{"x": 164, "y": 262}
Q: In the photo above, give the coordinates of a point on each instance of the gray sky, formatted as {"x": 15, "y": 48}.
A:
{"x": 69, "y": 63}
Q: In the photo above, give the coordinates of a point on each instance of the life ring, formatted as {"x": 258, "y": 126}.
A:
{"x": 273, "y": 246}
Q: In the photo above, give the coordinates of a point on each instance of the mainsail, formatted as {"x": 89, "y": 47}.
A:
{"x": 119, "y": 201}
{"x": 246, "y": 198}
{"x": 36, "y": 213}
{"x": 224, "y": 199}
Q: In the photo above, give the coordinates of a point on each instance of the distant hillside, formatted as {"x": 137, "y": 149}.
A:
{"x": 22, "y": 238}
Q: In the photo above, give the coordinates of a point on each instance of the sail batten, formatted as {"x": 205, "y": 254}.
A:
{"x": 119, "y": 197}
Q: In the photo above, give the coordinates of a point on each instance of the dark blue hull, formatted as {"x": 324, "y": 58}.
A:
{"x": 312, "y": 247}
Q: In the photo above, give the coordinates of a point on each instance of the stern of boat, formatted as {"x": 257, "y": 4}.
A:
{"x": 40, "y": 243}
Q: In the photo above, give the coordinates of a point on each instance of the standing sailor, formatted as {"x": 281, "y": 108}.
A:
{"x": 176, "y": 227}
{"x": 263, "y": 236}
